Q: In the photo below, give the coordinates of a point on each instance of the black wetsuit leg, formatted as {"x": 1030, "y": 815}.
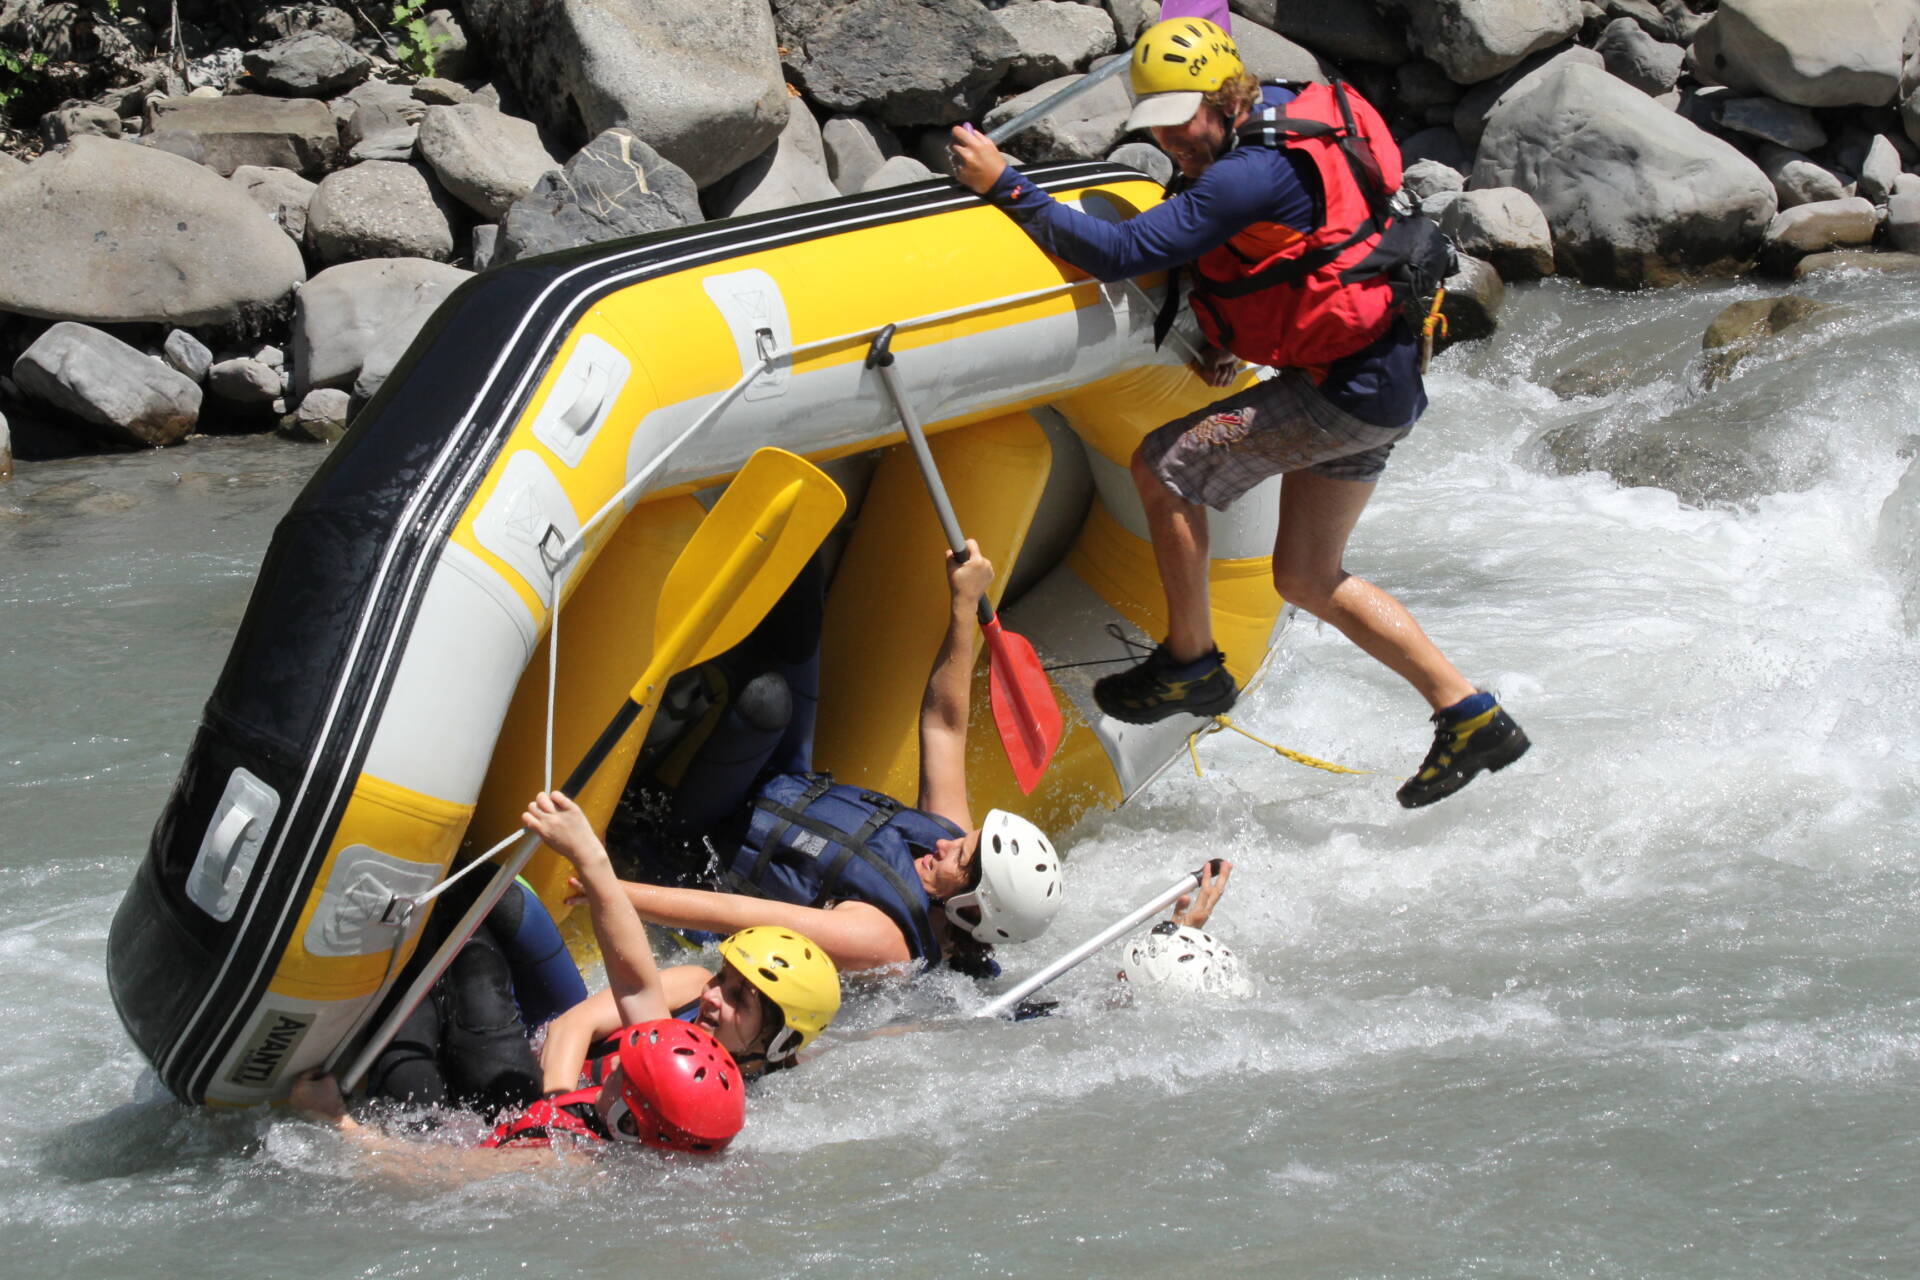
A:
{"x": 489, "y": 1065}
{"x": 408, "y": 1069}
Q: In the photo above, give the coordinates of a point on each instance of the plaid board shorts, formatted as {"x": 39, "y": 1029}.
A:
{"x": 1282, "y": 423}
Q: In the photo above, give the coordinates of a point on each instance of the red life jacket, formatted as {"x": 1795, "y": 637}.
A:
{"x": 569, "y": 1114}
{"x": 1281, "y": 296}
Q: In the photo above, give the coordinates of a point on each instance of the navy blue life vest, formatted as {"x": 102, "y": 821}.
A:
{"x": 811, "y": 840}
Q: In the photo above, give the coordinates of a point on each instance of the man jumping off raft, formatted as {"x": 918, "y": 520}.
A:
{"x": 1280, "y": 198}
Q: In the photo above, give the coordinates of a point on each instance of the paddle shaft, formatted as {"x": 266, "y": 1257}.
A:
{"x": 880, "y": 357}
{"x": 1054, "y": 102}
{"x": 1126, "y": 924}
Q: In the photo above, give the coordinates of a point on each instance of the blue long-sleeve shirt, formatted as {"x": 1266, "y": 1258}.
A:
{"x": 1380, "y": 384}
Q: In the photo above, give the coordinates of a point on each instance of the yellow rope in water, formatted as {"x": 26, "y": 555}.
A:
{"x": 1298, "y": 757}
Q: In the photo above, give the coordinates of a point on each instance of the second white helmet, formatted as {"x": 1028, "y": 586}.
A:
{"x": 1019, "y": 890}
{"x": 1180, "y": 959}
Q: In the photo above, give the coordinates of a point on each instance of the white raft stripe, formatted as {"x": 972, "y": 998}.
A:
{"x": 896, "y": 203}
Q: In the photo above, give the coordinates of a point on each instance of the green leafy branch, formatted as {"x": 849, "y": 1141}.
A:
{"x": 19, "y": 70}
{"x": 406, "y": 37}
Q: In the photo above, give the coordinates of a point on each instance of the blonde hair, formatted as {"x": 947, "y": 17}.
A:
{"x": 1239, "y": 92}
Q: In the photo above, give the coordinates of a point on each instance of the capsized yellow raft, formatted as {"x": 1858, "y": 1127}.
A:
{"x": 550, "y": 442}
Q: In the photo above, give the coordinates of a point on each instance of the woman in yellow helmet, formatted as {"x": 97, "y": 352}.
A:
{"x": 774, "y": 992}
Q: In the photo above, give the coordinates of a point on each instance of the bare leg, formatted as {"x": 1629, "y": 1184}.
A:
{"x": 1317, "y": 514}
{"x": 1180, "y": 548}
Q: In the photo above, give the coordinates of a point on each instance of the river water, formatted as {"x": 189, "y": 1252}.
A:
{"x": 1644, "y": 1004}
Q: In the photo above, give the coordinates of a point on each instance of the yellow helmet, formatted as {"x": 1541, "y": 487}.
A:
{"x": 792, "y": 972}
{"x": 1183, "y": 55}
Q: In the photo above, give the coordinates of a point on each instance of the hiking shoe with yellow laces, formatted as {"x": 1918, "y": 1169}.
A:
{"x": 1472, "y": 735}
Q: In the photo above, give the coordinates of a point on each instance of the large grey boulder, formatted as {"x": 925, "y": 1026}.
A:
{"x": 1440, "y": 144}
{"x": 1903, "y": 222}
{"x": 1878, "y": 261}
{"x": 10, "y": 164}
{"x": 698, "y": 79}
{"x": 1084, "y": 129}
{"x": 1503, "y": 226}
{"x": 126, "y": 397}
{"x": 281, "y": 22}
{"x": 1476, "y": 104}
{"x": 453, "y": 55}
{"x": 896, "y": 172}
{"x": 75, "y": 118}
{"x": 1423, "y": 178}
{"x": 187, "y": 354}
{"x": 1781, "y": 123}
{"x": 321, "y": 416}
{"x": 379, "y": 209}
{"x": 1818, "y": 53}
{"x": 903, "y": 62}
{"x": 1799, "y": 179}
{"x": 1635, "y": 194}
{"x": 226, "y": 133}
{"x": 1272, "y": 58}
{"x": 1475, "y": 295}
{"x": 1476, "y": 40}
{"x": 245, "y": 381}
{"x": 1339, "y": 29}
{"x": 792, "y": 171}
{"x": 342, "y": 313}
{"x": 1053, "y": 38}
{"x": 1649, "y": 65}
{"x": 1878, "y": 169}
{"x": 310, "y": 65}
{"x": 617, "y": 186}
{"x": 855, "y": 149}
{"x": 281, "y": 194}
{"x": 1814, "y": 228}
{"x": 486, "y": 160}
{"x": 112, "y": 232}
{"x": 381, "y": 129}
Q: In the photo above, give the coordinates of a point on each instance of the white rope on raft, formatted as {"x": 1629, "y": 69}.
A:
{"x": 401, "y": 910}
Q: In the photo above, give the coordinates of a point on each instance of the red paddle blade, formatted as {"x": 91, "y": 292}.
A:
{"x": 1024, "y": 708}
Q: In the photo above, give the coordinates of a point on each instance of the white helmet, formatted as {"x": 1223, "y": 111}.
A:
{"x": 1182, "y": 960}
{"x": 1019, "y": 890}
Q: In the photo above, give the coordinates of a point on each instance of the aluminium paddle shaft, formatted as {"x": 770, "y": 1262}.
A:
{"x": 1126, "y": 924}
{"x": 880, "y": 357}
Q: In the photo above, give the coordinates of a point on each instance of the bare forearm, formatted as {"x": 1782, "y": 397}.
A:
{"x": 624, "y": 945}
{"x": 947, "y": 700}
{"x": 569, "y": 1037}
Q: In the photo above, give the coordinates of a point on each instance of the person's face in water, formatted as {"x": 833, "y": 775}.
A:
{"x": 953, "y": 866}
{"x": 731, "y": 1008}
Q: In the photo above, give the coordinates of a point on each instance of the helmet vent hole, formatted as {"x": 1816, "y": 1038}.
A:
{"x": 996, "y": 843}
{"x": 683, "y": 1051}
{"x": 769, "y": 974}
{"x": 699, "y": 1074}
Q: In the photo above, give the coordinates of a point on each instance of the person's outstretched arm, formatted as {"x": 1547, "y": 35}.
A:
{"x": 631, "y": 973}
{"x": 945, "y": 705}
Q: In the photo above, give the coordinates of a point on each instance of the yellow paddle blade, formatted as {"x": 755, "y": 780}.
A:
{"x": 745, "y": 554}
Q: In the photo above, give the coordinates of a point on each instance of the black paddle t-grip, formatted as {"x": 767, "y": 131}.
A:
{"x": 880, "y": 353}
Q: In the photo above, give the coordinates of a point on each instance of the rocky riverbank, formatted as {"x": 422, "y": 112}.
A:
{"x": 219, "y": 216}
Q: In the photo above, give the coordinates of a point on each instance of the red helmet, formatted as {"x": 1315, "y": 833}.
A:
{"x": 680, "y": 1089}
